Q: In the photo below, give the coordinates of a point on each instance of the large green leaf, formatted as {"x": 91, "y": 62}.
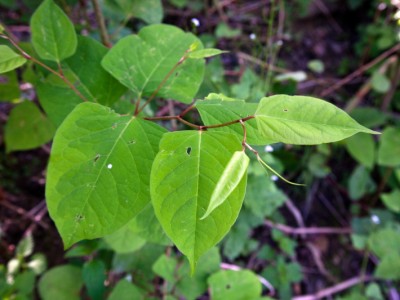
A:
{"x": 183, "y": 177}
{"x": 53, "y": 34}
{"x": 27, "y": 128}
{"x": 142, "y": 61}
{"x": 98, "y": 84}
{"x": 62, "y": 282}
{"x": 217, "y": 109}
{"x": 9, "y": 60}
{"x": 99, "y": 171}
{"x": 229, "y": 284}
{"x": 389, "y": 147}
{"x": 304, "y": 120}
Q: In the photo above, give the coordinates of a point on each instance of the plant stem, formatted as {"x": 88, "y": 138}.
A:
{"x": 105, "y": 39}
{"x": 152, "y": 96}
{"x": 38, "y": 62}
{"x": 198, "y": 127}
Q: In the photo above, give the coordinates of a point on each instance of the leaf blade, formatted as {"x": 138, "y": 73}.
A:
{"x": 179, "y": 206}
{"x": 9, "y": 60}
{"x": 99, "y": 171}
{"x": 53, "y": 34}
{"x": 142, "y": 61}
{"x": 304, "y": 120}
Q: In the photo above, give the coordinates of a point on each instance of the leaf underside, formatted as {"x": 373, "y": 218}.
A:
{"x": 99, "y": 169}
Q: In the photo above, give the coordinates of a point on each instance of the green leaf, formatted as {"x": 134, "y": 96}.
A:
{"x": 150, "y": 11}
{"x": 362, "y": 148}
{"x": 224, "y": 31}
{"x": 234, "y": 285}
{"x": 218, "y": 109}
{"x": 94, "y": 275}
{"x": 392, "y": 200}
{"x": 380, "y": 83}
{"x": 99, "y": 169}
{"x": 304, "y": 120}
{"x": 146, "y": 226}
{"x": 97, "y": 84}
{"x": 389, "y": 267}
{"x": 389, "y": 147}
{"x": 53, "y": 34}
{"x": 232, "y": 175}
{"x": 9, "y": 87}
{"x": 56, "y": 98}
{"x": 191, "y": 287}
{"x": 61, "y": 283}
{"x": 125, "y": 240}
{"x": 203, "y": 53}
{"x": 25, "y": 283}
{"x": 27, "y": 128}
{"x": 166, "y": 267}
{"x": 141, "y": 62}
{"x": 125, "y": 290}
{"x": 316, "y": 66}
{"x": 369, "y": 116}
{"x": 360, "y": 183}
{"x": 38, "y": 263}
{"x": 9, "y": 60}
{"x": 183, "y": 178}
{"x": 25, "y": 246}
{"x": 384, "y": 242}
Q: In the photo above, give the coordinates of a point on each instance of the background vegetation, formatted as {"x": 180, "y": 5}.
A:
{"x": 337, "y": 238}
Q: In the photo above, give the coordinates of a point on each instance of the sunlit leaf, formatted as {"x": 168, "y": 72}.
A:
{"x": 9, "y": 60}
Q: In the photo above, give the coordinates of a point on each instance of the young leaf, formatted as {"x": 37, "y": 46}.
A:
{"x": 183, "y": 178}
{"x": 142, "y": 62}
{"x": 53, "y": 34}
{"x": 94, "y": 81}
{"x": 9, "y": 60}
{"x": 304, "y": 120}
{"x": 203, "y": 53}
{"x": 230, "y": 178}
{"x": 218, "y": 109}
{"x": 94, "y": 275}
{"x": 27, "y": 128}
{"x": 99, "y": 169}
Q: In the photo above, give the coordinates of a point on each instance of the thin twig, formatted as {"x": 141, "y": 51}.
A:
{"x": 307, "y": 230}
{"x": 261, "y": 63}
{"x": 105, "y": 39}
{"x": 360, "y": 71}
{"x": 335, "y": 289}
{"x": 38, "y": 62}
{"x": 263, "y": 281}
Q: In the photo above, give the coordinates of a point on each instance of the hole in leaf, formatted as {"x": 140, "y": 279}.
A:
{"x": 114, "y": 126}
{"x": 79, "y": 218}
{"x": 176, "y": 74}
{"x": 228, "y": 286}
{"x": 131, "y": 142}
{"x": 188, "y": 150}
{"x": 285, "y": 110}
{"x": 96, "y": 158}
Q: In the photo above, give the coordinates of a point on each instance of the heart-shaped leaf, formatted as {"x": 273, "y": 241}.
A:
{"x": 99, "y": 171}
{"x": 143, "y": 61}
{"x": 183, "y": 178}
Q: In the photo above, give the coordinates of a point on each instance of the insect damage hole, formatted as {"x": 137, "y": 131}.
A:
{"x": 285, "y": 110}
{"x": 188, "y": 150}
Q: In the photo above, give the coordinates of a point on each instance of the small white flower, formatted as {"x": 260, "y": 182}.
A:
{"x": 375, "y": 219}
{"x": 195, "y": 22}
{"x": 269, "y": 148}
{"x": 253, "y": 36}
